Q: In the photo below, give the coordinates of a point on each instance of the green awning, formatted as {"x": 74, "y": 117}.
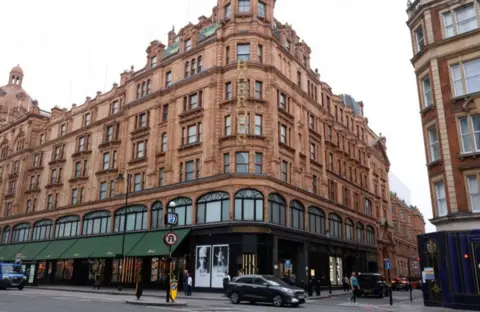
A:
{"x": 55, "y": 249}
{"x": 9, "y": 252}
{"x": 102, "y": 247}
{"x": 29, "y": 251}
{"x": 152, "y": 244}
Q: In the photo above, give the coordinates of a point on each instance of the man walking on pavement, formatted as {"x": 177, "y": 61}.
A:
{"x": 355, "y": 287}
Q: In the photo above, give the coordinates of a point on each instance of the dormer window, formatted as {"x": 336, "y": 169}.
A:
{"x": 287, "y": 45}
{"x": 188, "y": 44}
{"x": 153, "y": 61}
{"x": 261, "y": 9}
{"x": 228, "y": 11}
{"x": 243, "y": 6}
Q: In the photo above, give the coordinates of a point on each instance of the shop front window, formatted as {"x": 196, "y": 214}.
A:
{"x": 277, "y": 209}
{"x": 316, "y": 219}
{"x": 159, "y": 272}
{"x": 157, "y": 215}
{"x": 21, "y": 233}
{"x": 97, "y": 222}
{"x": 339, "y": 270}
{"x": 249, "y": 205}
{"x": 64, "y": 270}
{"x": 135, "y": 216}
{"x": 183, "y": 208}
{"x": 213, "y": 207}
{"x": 68, "y": 226}
{"x": 126, "y": 274}
{"x": 42, "y": 230}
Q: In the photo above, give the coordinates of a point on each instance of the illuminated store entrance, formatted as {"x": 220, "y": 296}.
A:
{"x": 336, "y": 270}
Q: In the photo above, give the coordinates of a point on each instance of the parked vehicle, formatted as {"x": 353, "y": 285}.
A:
{"x": 372, "y": 284}
{"x": 400, "y": 283}
{"x": 264, "y": 288}
{"x": 11, "y": 275}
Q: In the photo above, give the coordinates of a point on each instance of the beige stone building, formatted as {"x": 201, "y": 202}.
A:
{"x": 293, "y": 182}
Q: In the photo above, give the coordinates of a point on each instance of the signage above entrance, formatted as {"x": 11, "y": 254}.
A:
{"x": 172, "y": 219}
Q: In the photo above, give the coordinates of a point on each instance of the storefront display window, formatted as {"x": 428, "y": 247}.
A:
{"x": 213, "y": 207}
{"x": 183, "y": 207}
{"x": 136, "y": 218}
{"x": 64, "y": 270}
{"x": 42, "y": 230}
{"x": 97, "y": 222}
{"x": 339, "y": 270}
{"x": 68, "y": 226}
{"x": 126, "y": 273}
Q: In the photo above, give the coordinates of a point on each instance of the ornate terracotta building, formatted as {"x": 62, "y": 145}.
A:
{"x": 408, "y": 223}
{"x": 293, "y": 181}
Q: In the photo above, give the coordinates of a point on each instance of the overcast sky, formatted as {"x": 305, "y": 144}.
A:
{"x": 70, "y": 49}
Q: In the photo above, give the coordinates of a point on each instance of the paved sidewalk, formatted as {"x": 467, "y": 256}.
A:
{"x": 161, "y": 293}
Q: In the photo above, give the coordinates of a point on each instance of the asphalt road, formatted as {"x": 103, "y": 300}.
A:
{"x": 36, "y": 300}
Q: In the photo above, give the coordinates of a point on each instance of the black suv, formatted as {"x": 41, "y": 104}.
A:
{"x": 372, "y": 284}
{"x": 264, "y": 288}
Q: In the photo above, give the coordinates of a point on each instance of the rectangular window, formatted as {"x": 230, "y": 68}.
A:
{"x": 419, "y": 38}
{"x": 282, "y": 101}
{"x": 260, "y": 53}
{"x": 227, "y": 55}
{"x": 313, "y": 151}
{"x": 243, "y": 6}
{"x": 474, "y": 193}
{"x": 261, "y": 9}
{"x": 241, "y": 162}
{"x": 258, "y": 90}
{"x": 466, "y": 77}
{"x": 228, "y": 125}
{"x": 74, "y": 196}
{"x": 192, "y": 134}
{"x": 258, "y": 124}
{"x": 141, "y": 120}
{"x": 258, "y": 162}
{"x": 86, "y": 119}
{"x": 153, "y": 61}
{"x": 164, "y": 142}
{"x": 283, "y": 134}
{"x": 427, "y": 92}
{"x": 114, "y": 107}
{"x": 42, "y": 138}
{"x": 137, "y": 182}
{"x": 314, "y": 184}
{"x": 168, "y": 79}
{"x": 284, "y": 169}
{"x": 165, "y": 112}
{"x": 81, "y": 143}
{"x": 434, "y": 143}
{"x": 311, "y": 121}
{"x": 228, "y": 11}
{"x": 161, "y": 175}
{"x": 228, "y": 91}
{"x": 441, "y": 200}
{"x": 190, "y": 170}
{"x": 78, "y": 169}
{"x": 465, "y": 135}
{"x": 49, "y": 201}
{"x": 140, "y": 149}
{"x": 63, "y": 129}
{"x": 287, "y": 45}
{"x": 226, "y": 163}
{"x": 243, "y": 52}
{"x": 188, "y": 44}
{"x": 103, "y": 190}
{"x": 193, "y": 101}
{"x": 465, "y": 21}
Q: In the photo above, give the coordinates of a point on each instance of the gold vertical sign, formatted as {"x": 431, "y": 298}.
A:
{"x": 241, "y": 109}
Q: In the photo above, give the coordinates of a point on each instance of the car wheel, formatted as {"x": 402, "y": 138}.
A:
{"x": 278, "y": 301}
{"x": 20, "y": 287}
{"x": 295, "y": 305}
{"x": 234, "y": 298}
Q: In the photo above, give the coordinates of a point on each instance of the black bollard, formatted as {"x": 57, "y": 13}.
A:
{"x": 310, "y": 288}
{"x": 317, "y": 290}
{"x": 329, "y": 287}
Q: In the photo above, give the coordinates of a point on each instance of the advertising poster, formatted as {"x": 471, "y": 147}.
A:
{"x": 203, "y": 266}
{"x": 219, "y": 264}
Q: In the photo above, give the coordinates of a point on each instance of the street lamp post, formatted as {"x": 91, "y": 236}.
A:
{"x": 121, "y": 178}
{"x": 171, "y": 206}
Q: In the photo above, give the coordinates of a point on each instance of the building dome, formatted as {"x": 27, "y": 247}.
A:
{"x": 17, "y": 70}
{"x": 14, "y": 101}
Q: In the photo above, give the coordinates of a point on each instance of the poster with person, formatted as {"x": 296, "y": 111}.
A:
{"x": 219, "y": 264}
{"x": 202, "y": 266}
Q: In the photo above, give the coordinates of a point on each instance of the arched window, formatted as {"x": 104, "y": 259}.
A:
{"x": 97, "y": 222}
{"x": 249, "y": 205}
{"x": 277, "y": 209}
{"x": 68, "y": 226}
{"x": 19, "y": 145}
{"x": 297, "y": 215}
{"x": 349, "y": 229}
{"x": 370, "y": 235}
{"x": 360, "y": 233}
{"x": 199, "y": 64}
{"x": 334, "y": 225}
{"x": 316, "y": 220}
{"x": 187, "y": 69}
{"x": 21, "y": 232}
{"x": 6, "y": 235}
{"x": 193, "y": 67}
{"x": 157, "y": 215}
{"x": 213, "y": 207}
{"x": 135, "y": 216}
{"x": 368, "y": 207}
{"x": 42, "y": 230}
{"x": 183, "y": 208}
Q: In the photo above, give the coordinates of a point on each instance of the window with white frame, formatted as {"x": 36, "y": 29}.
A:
{"x": 243, "y": 52}
{"x": 258, "y": 124}
{"x": 243, "y": 6}
{"x": 283, "y": 134}
{"x": 427, "y": 92}
{"x": 466, "y": 77}
{"x": 441, "y": 199}
{"x": 460, "y": 20}
{"x": 228, "y": 125}
{"x": 469, "y": 128}
{"x": 192, "y": 134}
{"x": 419, "y": 39}
{"x": 474, "y": 192}
{"x": 434, "y": 143}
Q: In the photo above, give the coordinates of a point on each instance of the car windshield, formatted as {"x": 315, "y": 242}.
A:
{"x": 12, "y": 269}
{"x": 275, "y": 281}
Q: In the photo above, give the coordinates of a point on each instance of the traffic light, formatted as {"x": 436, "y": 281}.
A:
{"x": 466, "y": 256}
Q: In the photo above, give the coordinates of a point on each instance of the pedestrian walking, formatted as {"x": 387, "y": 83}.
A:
{"x": 226, "y": 280}
{"x": 346, "y": 283}
{"x": 185, "y": 282}
{"x": 190, "y": 285}
{"x": 355, "y": 287}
